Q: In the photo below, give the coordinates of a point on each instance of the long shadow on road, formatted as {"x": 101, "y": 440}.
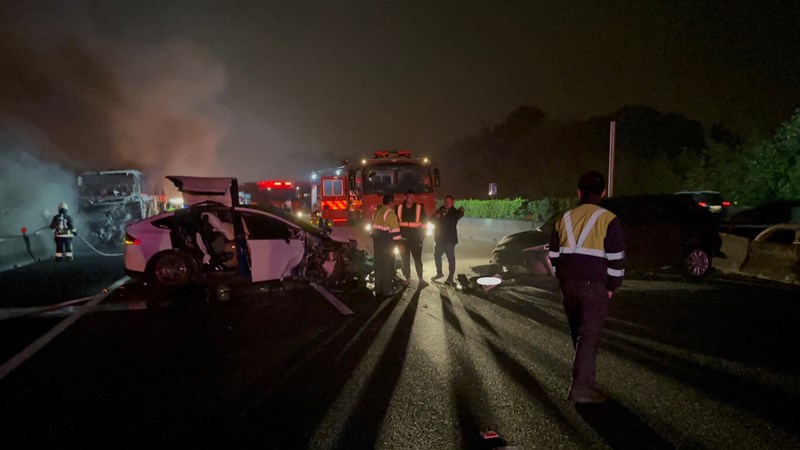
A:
{"x": 366, "y": 419}
{"x": 765, "y": 401}
{"x": 288, "y": 406}
{"x": 620, "y": 428}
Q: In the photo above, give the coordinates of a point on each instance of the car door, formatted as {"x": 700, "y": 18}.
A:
{"x": 275, "y": 246}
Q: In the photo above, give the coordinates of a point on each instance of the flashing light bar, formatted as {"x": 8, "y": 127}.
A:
{"x": 264, "y": 185}
{"x": 398, "y": 154}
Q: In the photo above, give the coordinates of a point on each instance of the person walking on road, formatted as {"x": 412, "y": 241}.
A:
{"x": 445, "y": 237}
{"x": 64, "y": 229}
{"x": 412, "y": 229}
{"x": 385, "y": 235}
{"x": 587, "y": 251}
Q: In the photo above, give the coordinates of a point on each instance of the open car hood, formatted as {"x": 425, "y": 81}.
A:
{"x": 199, "y": 189}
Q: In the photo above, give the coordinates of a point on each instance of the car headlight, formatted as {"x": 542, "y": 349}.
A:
{"x": 299, "y": 214}
{"x": 429, "y": 229}
{"x": 368, "y": 227}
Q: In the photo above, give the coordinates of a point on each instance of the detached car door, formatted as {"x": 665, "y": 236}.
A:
{"x": 275, "y": 246}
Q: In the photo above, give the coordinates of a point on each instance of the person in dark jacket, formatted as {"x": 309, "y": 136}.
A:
{"x": 412, "y": 227}
{"x": 587, "y": 251}
{"x": 445, "y": 236}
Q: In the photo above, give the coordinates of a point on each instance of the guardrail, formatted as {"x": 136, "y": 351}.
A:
{"x": 492, "y": 230}
{"x": 17, "y": 251}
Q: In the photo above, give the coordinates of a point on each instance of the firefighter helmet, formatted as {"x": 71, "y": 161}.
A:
{"x": 63, "y": 205}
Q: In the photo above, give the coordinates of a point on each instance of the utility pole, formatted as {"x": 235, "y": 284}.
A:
{"x": 612, "y": 138}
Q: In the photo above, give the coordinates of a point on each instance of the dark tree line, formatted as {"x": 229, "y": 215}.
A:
{"x": 531, "y": 156}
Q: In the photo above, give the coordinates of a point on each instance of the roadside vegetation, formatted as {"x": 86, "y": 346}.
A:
{"x": 535, "y": 160}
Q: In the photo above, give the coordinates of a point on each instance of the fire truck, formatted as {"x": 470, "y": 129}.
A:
{"x": 281, "y": 194}
{"x": 350, "y": 193}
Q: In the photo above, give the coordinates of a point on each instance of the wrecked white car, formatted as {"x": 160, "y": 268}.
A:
{"x": 214, "y": 238}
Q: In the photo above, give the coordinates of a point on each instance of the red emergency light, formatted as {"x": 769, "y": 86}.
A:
{"x": 404, "y": 154}
{"x": 273, "y": 184}
{"x": 382, "y": 154}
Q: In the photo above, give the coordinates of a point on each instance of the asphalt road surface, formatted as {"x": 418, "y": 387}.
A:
{"x": 687, "y": 365}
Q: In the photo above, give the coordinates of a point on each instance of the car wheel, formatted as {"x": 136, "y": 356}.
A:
{"x": 172, "y": 269}
{"x": 696, "y": 263}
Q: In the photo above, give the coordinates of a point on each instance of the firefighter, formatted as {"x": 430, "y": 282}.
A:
{"x": 64, "y": 231}
{"x": 385, "y": 236}
{"x": 587, "y": 250}
{"x": 412, "y": 229}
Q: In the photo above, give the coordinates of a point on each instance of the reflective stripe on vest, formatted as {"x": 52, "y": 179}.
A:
{"x": 415, "y": 224}
{"x": 577, "y": 247}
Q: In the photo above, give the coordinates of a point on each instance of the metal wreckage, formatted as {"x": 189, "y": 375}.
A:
{"x": 214, "y": 239}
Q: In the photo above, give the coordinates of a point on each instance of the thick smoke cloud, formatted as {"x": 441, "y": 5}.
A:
{"x": 29, "y": 186}
{"x": 89, "y": 104}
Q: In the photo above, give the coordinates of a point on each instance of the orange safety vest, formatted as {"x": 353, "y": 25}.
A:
{"x": 416, "y": 223}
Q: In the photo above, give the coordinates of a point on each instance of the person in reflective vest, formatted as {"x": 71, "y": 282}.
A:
{"x": 412, "y": 229}
{"x": 385, "y": 236}
{"x": 587, "y": 251}
{"x": 64, "y": 229}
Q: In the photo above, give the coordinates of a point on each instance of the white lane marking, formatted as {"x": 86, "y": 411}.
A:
{"x": 38, "y": 344}
{"x": 10, "y": 313}
{"x": 333, "y": 300}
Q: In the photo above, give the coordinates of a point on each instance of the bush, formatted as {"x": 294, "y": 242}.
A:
{"x": 516, "y": 209}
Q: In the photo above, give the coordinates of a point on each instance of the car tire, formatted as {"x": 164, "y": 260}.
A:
{"x": 171, "y": 269}
{"x": 696, "y": 263}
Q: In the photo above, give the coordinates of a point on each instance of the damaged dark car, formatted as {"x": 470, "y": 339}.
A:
{"x": 661, "y": 232}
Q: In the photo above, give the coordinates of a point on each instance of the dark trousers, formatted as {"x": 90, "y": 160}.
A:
{"x": 385, "y": 268}
{"x": 450, "y": 251}
{"x": 586, "y": 305}
{"x": 412, "y": 247}
{"x": 63, "y": 248}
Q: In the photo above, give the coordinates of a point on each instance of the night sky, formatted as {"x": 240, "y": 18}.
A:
{"x": 278, "y": 88}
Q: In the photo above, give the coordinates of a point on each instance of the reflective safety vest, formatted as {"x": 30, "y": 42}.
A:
{"x": 417, "y": 223}
{"x": 385, "y": 221}
{"x": 583, "y": 233}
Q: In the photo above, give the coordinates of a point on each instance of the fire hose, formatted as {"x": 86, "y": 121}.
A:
{"x": 96, "y": 250}
{"x": 87, "y": 243}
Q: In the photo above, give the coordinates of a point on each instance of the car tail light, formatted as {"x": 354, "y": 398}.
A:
{"x": 703, "y": 204}
{"x": 726, "y": 203}
{"x": 130, "y": 240}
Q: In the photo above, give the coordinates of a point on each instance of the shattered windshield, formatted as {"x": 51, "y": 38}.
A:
{"x": 117, "y": 184}
{"x": 396, "y": 178}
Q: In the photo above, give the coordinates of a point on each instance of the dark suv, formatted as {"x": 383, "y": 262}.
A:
{"x": 660, "y": 231}
{"x": 711, "y": 200}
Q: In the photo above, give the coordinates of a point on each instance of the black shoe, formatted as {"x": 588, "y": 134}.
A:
{"x": 437, "y": 276}
{"x": 588, "y": 396}
{"x": 449, "y": 281}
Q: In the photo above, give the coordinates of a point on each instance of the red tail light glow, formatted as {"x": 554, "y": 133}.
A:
{"x": 726, "y": 203}
{"x": 703, "y": 204}
{"x": 130, "y": 240}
